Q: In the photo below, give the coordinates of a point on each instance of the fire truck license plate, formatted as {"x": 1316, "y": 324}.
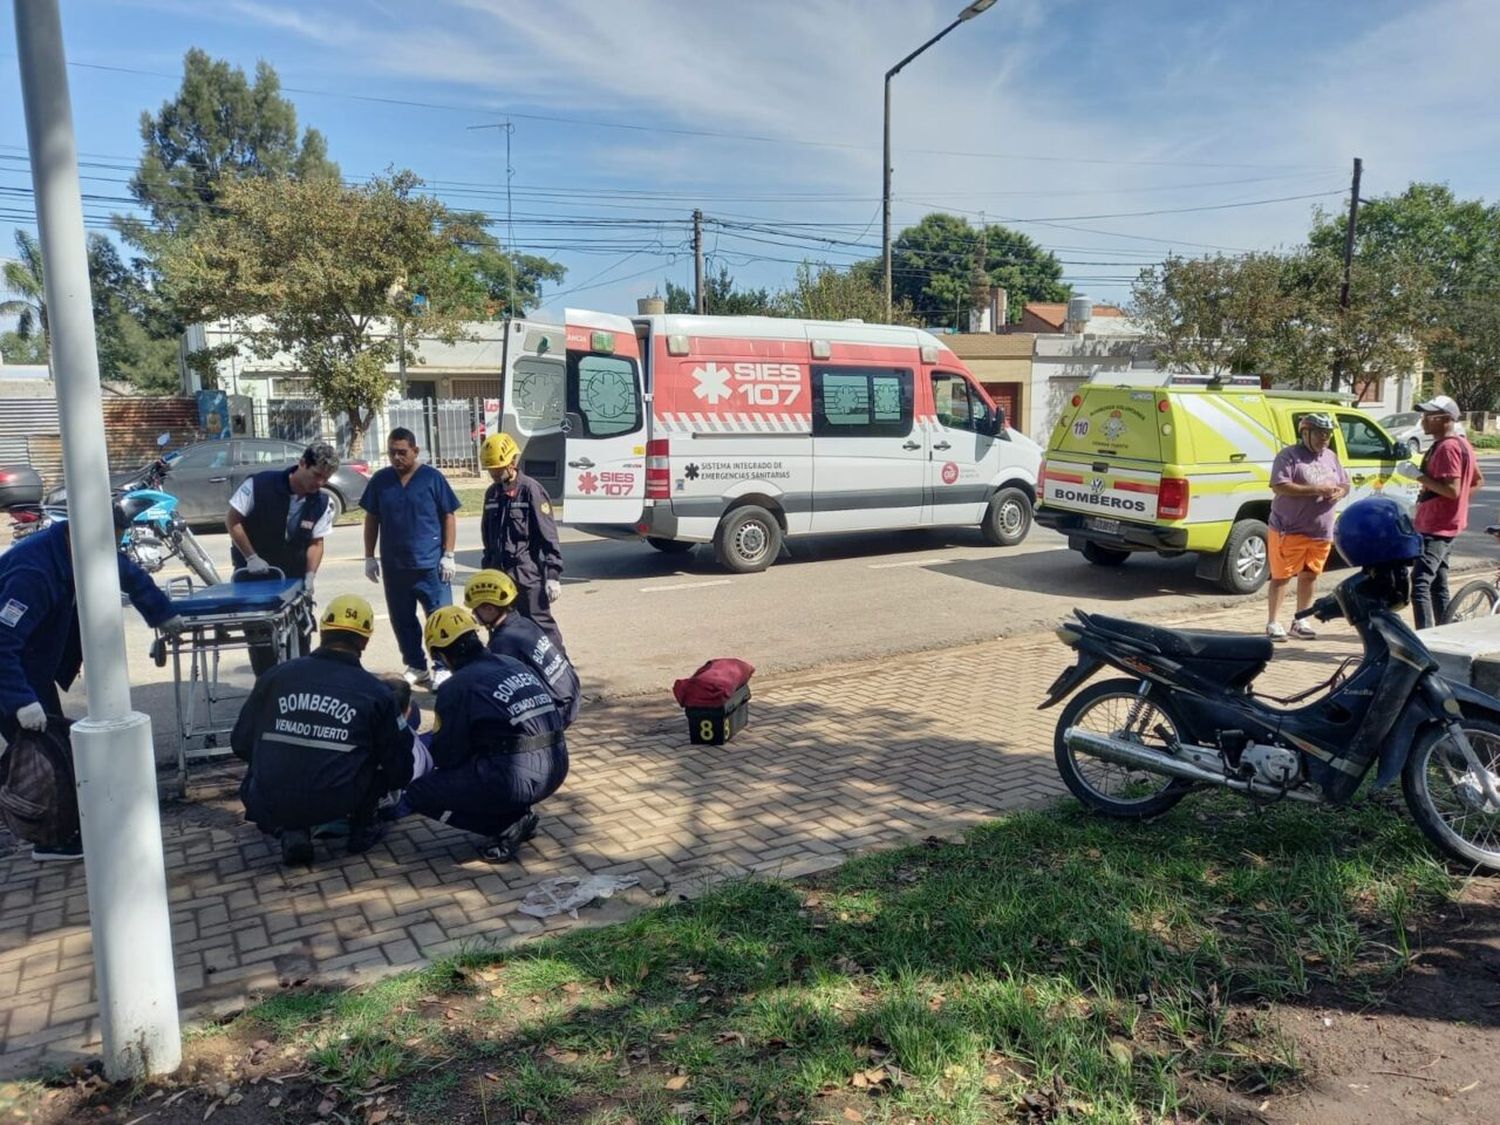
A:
{"x": 1098, "y": 523}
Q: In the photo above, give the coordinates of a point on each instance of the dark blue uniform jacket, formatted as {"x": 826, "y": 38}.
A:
{"x": 323, "y": 739}
{"x": 519, "y": 534}
{"x": 39, "y": 639}
{"x": 523, "y": 639}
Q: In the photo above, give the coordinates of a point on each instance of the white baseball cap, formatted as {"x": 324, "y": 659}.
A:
{"x": 1439, "y": 404}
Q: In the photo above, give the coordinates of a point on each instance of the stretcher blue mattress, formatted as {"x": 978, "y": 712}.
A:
{"x": 267, "y": 596}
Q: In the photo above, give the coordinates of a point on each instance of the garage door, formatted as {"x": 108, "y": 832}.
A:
{"x": 1006, "y": 396}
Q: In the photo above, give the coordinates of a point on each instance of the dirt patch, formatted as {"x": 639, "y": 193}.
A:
{"x": 1428, "y": 1051}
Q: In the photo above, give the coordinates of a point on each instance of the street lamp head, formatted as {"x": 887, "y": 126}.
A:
{"x": 975, "y": 8}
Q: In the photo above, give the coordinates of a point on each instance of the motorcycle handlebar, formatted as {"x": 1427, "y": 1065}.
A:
{"x": 1326, "y": 608}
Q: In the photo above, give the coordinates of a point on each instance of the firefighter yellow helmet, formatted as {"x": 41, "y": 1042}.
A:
{"x": 498, "y": 451}
{"x": 349, "y": 613}
{"x": 490, "y": 587}
{"x": 446, "y": 625}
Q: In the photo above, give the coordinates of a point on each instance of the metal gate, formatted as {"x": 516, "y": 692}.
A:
{"x": 446, "y": 429}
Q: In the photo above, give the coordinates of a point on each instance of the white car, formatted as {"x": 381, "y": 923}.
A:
{"x": 1407, "y": 427}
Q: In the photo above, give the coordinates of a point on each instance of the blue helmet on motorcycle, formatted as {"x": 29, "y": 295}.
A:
{"x": 1376, "y": 530}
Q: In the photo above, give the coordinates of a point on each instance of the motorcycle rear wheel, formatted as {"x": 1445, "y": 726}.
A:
{"x": 1445, "y": 810}
{"x": 1118, "y": 708}
{"x": 197, "y": 558}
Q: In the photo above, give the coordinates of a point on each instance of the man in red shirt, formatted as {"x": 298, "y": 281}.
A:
{"x": 1449, "y": 473}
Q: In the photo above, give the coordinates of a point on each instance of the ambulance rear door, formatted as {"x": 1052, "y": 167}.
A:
{"x": 604, "y": 470}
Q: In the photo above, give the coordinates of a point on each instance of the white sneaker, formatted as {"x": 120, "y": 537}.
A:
{"x": 1275, "y": 631}
{"x": 439, "y": 677}
{"x": 1303, "y": 631}
{"x": 416, "y": 676}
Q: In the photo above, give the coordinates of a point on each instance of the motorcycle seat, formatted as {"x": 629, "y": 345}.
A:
{"x": 1181, "y": 643}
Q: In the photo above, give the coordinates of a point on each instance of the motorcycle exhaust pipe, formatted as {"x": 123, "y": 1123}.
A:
{"x": 1123, "y": 752}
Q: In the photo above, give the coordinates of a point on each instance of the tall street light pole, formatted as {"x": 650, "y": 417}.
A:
{"x": 113, "y": 759}
{"x": 885, "y": 196}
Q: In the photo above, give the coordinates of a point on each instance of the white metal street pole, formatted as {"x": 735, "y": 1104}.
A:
{"x": 885, "y": 192}
{"x": 112, "y": 750}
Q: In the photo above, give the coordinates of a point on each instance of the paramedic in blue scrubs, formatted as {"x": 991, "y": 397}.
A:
{"x": 409, "y": 513}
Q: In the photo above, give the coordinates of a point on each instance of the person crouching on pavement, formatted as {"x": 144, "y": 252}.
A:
{"x": 324, "y": 739}
{"x": 491, "y": 596}
{"x": 497, "y": 741}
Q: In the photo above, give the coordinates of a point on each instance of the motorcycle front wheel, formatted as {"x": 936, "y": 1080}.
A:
{"x": 1117, "y": 708}
{"x": 1445, "y": 798}
{"x": 197, "y": 558}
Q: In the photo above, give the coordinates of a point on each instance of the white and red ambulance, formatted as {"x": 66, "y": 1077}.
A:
{"x": 742, "y": 431}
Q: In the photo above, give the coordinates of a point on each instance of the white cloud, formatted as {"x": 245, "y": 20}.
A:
{"x": 1269, "y": 93}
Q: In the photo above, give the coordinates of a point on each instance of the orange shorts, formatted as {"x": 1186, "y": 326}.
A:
{"x": 1292, "y": 554}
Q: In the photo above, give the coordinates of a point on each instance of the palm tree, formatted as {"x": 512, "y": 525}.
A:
{"x": 24, "y": 278}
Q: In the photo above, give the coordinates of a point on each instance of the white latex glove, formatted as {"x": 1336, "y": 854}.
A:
{"x": 554, "y": 589}
{"x": 172, "y": 624}
{"x": 1408, "y": 469}
{"x": 254, "y": 564}
{"x": 32, "y": 717}
{"x": 309, "y": 581}
{"x": 372, "y": 569}
{"x": 447, "y": 568}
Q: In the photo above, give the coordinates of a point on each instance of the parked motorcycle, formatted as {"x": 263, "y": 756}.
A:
{"x": 155, "y": 531}
{"x": 1187, "y": 716}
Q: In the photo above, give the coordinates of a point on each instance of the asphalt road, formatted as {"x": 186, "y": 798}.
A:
{"x": 634, "y": 619}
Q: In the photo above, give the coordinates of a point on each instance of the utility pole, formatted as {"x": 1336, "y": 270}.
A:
{"x": 698, "y": 262}
{"x": 510, "y": 230}
{"x": 113, "y": 758}
{"x": 1348, "y": 265}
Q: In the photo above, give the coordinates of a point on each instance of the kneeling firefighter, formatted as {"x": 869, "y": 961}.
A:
{"x": 491, "y": 597}
{"x": 497, "y": 740}
{"x": 324, "y": 739}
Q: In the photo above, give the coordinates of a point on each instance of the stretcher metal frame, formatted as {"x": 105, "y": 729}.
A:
{"x": 276, "y": 612}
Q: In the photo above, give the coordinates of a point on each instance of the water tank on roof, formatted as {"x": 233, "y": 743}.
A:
{"x": 1080, "y": 309}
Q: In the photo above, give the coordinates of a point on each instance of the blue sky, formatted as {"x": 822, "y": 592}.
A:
{"x": 1065, "y": 119}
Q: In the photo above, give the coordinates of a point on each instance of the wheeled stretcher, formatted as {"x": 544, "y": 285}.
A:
{"x": 276, "y": 613}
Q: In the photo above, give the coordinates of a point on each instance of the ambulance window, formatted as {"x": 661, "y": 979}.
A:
{"x": 537, "y": 394}
{"x": 958, "y": 405}
{"x": 861, "y": 402}
{"x": 1362, "y": 440}
{"x": 603, "y": 392}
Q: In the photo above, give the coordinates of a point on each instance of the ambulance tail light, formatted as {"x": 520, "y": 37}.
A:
{"x": 1172, "y": 499}
{"x": 658, "y": 470}
{"x": 1041, "y": 477}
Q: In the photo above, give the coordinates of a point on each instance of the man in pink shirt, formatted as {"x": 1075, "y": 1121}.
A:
{"x": 1449, "y": 472}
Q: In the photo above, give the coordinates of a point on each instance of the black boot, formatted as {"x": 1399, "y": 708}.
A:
{"x": 504, "y": 846}
{"x": 296, "y": 846}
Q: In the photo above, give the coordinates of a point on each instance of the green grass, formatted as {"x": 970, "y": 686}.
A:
{"x": 1052, "y": 964}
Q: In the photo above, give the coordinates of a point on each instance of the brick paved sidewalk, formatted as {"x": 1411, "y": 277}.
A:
{"x": 834, "y": 762}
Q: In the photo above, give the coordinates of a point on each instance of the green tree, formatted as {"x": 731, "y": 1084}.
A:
{"x": 122, "y": 303}
{"x": 15, "y": 348}
{"x": 309, "y": 267}
{"x": 937, "y": 266}
{"x": 512, "y": 282}
{"x": 220, "y": 127}
{"x": 826, "y": 293}
{"x": 1214, "y": 315}
{"x": 721, "y": 298}
{"x": 23, "y": 278}
{"x": 1445, "y": 252}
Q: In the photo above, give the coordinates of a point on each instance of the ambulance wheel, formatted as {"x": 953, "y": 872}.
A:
{"x": 1007, "y": 519}
{"x": 669, "y": 546}
{"x": 748, "y": 540}
{"x": 1247, "y": 561}
{"x": 1103, "y": 556}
